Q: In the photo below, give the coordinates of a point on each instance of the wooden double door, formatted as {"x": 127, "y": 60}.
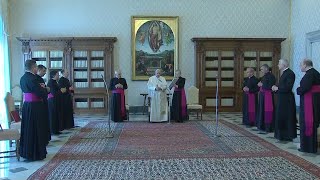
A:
{"x": 222, "y": 62}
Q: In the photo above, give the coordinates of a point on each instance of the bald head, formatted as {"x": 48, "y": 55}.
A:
{"x": 306, "y": 64}
{"x": 177, "y": 73}
{"x": 117, "y": 73}
{"x": 250, "y": 71}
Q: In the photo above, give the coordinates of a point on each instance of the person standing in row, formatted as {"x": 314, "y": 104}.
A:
{"x": 117, "y": 86}
{"x": 285, "y": 116}
{"x": 309, "y": 116}
{"x": 157, "y": 87}
{"x": 54, "y": 102}
{"x": 67, "y": 121}
{"x": 42, "y": 70}
{"x": 33, "y": 138}
{"x": 250, "y": 89}
{"x": 179, "y": 102}
{"x": 265, "y": 103}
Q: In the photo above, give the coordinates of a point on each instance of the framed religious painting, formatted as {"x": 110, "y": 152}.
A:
{"x": 154, "y": 46}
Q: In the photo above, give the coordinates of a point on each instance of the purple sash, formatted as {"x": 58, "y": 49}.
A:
{"x": 122, "y": 103}
{"x": 31, "y": 97}
{"x": 308, "y": 109}
{"x": 268, "y": 105}
{"x": 251, "y": 107}
{"x": 50, "y": 95}
{"x": 183, "y": 101}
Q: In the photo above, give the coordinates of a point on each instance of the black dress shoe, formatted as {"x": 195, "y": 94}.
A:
{"x": 300, "y": 150}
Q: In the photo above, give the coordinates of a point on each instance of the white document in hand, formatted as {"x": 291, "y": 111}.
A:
{"x": 173, "y": 82}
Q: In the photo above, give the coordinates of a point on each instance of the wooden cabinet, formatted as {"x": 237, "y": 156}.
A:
{"x": 225, "y": 60}
{"x": 88, "y": 59}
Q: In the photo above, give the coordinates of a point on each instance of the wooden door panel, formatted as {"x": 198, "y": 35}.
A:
{"x": 227, "y": 59}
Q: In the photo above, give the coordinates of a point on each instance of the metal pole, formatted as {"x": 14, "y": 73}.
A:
{"x": 217, "y": 104}
{"x": 109, "y": 133}
{"x": 169, "y": 103}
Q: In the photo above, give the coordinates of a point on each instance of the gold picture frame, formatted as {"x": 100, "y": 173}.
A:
{"x": 154, "y": 46}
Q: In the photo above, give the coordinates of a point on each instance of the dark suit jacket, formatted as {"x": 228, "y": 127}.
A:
{"x": 286, "y": 81}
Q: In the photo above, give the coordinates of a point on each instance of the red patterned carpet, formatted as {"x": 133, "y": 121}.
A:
{"x": 141, "y": 150}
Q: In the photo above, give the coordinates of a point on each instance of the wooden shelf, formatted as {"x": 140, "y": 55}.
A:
{"x": 80, "y": 68}
{"x": 91, "y": 56}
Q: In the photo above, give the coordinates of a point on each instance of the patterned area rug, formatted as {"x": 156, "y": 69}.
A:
{"x": 141, "y": 150}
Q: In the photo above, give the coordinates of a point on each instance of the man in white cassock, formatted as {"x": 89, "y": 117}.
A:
{"x": 157, "y": 87}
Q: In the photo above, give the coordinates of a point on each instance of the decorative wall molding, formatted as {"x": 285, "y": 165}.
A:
{"x": 311, "y": 38}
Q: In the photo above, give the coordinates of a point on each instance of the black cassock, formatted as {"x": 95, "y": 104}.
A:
{"x": 179, "y": 108}
{"x": 66, "y": 109}
{"x": 33, "y": 139}
{"x": 54, "y": 106}
{"x": 285, "y": 117}
{"x": 268, "y": 80}
{"x": 45, "y": 101}
{"x": 308, "y": 143}
{"x": 116, "y": 104}
{"x": 251, "y": 83}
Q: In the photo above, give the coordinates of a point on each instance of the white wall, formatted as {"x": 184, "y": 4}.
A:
{"x": 202, "y": 18}
{"x": 305, "y": 18}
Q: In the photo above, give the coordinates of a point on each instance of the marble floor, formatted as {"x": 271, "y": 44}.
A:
{"x": 11, "y": 169}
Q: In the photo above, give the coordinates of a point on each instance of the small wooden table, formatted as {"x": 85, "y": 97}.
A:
{"x": 144, "y": 102}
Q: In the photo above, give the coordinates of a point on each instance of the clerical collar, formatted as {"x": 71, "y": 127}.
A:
{"x": 285, "y": 69}
{"x": 309, "y": 68}
{"x": 31, "y": 72}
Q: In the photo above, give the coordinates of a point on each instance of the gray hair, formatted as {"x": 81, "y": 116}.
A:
{"x": 284, "y": 62}
{"x": 158, "y": 70}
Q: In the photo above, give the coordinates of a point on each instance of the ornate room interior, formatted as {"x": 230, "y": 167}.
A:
{"x": 212, "y": 43}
